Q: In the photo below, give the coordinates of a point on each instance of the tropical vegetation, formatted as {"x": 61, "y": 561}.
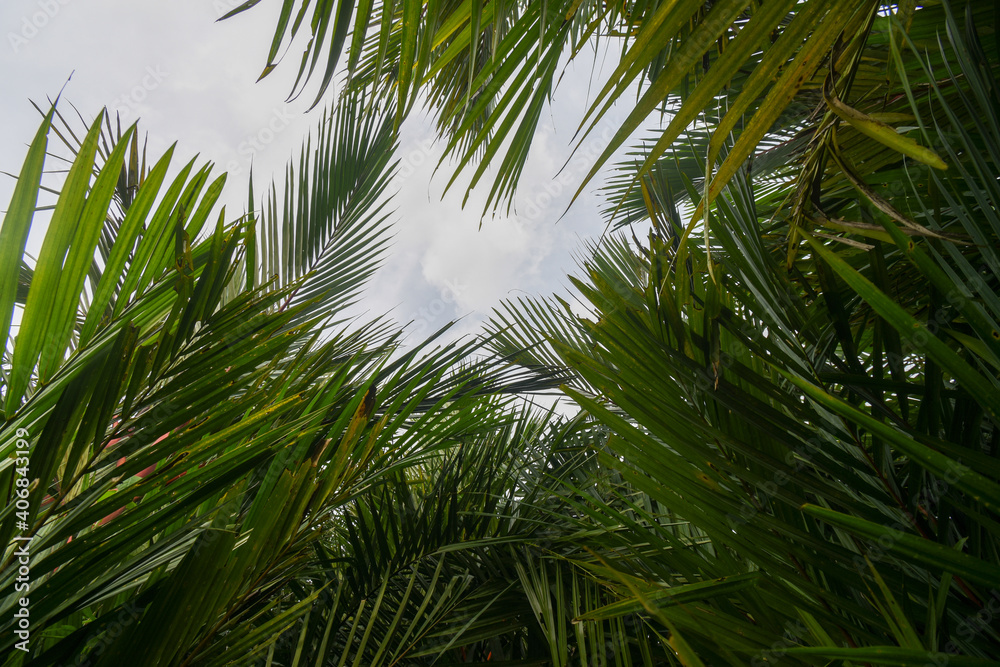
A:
{"x": 785, "y": 355}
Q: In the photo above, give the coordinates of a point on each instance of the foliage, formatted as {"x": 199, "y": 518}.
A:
{"x": 486, "y": 69}
{"x": 787, "y": 442}
{"x": 196, "y": 417}
{"x": 814, "y": 388}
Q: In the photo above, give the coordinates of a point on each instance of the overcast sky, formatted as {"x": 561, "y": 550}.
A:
{"x": 192, "y": 80}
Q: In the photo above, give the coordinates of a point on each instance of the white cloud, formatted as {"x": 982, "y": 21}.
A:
{"x": 192, "y": 80}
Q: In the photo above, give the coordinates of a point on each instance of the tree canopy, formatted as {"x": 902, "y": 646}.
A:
{"x": 787, "y": 366}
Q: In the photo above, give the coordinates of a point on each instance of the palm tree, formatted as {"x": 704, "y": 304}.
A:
{"x": 787, "y": 443}
{"x": 801, "y": 383}
{"x": 487, "y": 69}
{"x": 189, "y": 424}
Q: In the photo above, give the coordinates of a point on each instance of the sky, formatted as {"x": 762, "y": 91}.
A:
{"x": 193, "y": 80}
